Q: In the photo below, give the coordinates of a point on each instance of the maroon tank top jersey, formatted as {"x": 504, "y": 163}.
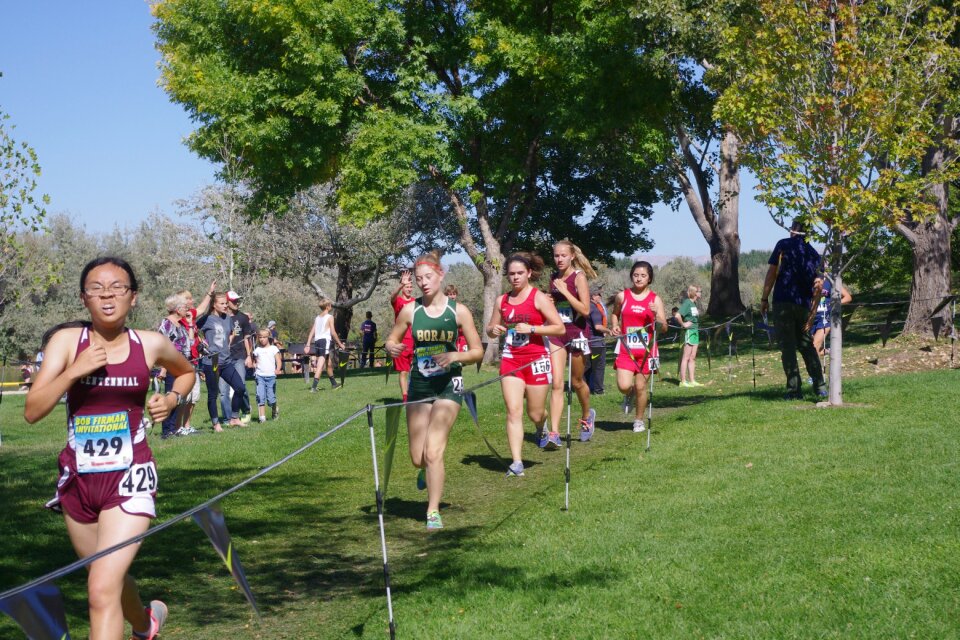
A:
{"x": 102, "y": 405}
{"x": 577, "y": 327}
{"x": 107, "y": 461}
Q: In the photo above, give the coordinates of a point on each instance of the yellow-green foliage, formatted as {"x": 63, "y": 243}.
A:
{"x": 838, "y": 102}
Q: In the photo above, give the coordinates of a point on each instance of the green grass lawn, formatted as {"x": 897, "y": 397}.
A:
{"x": 750, "y": 517}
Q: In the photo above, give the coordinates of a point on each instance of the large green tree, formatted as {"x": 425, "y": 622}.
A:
{"x": 536, "y": 120}
{"x": 704, "y": 170}
{"x": 839, "y": 102}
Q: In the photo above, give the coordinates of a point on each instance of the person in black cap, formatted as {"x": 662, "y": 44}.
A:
{"x": 242, "y": 333}
{"x": 793, "y": 265}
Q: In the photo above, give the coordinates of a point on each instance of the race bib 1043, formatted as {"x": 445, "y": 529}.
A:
{"x": 637, "y": 338}
{"x": 102, "y": 442}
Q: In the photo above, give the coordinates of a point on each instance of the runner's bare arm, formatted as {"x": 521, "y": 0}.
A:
{"x": 661, "y": 314}
{"x": 160, "y": 351}
{"x": 553, "y": 325}
{"x": 495, "y": 329}
{"x": 615, "y": 314}
{"x": 393, "y": 344}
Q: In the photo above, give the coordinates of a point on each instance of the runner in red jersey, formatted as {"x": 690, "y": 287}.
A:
{"x": 401, "y": 363}
{"x": 635, "y": 312}
{"x": 108, "y": 477}
{"x": 571, "y": 295}
{"x": 524, "y": 316}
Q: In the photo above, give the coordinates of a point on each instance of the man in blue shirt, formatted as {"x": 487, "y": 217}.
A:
{"x": 793, "y": 266}
{"x": 368, "y": 329}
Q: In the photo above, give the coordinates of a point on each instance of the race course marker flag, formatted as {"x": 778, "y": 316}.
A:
{"x": 39, "y": 612}
{"x": 393, "y": 426}
{"x": 211, "y": 520}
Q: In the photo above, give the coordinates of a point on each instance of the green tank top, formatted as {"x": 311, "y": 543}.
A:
{"x": 430, "y": 337}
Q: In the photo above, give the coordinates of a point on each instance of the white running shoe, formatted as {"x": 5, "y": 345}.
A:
{"x": 638, "y": 426}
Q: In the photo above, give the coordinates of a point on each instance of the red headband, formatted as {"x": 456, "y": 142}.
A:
{"x": 424, "y": 263}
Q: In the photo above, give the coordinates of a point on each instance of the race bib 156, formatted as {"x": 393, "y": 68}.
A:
{"x": 517, "y": 340}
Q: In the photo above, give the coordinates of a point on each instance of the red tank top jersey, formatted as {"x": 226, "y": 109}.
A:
{"x": 114, "y": 389}
{"x": 636, "y": 320}
{"x": 521, "y": 345}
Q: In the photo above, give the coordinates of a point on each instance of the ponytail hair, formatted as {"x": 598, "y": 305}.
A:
{"x": 530, "y": 260}
{"x": 579, "y": 260}
{"x": 430, "y": 259}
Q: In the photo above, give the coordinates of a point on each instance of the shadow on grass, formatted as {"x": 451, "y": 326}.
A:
{"x": 400, "y": 508}
{"x": 489, "y": 462}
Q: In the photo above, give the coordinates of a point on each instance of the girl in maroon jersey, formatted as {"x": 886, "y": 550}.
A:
{"x": 108, "y": 478}
{"x": 571, "y": 296}
{"x": 524, "y": 316}
{"x": 634, "y": 313}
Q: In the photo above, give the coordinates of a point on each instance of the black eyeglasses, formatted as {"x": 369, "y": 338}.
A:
{"x": 116, "y": 289}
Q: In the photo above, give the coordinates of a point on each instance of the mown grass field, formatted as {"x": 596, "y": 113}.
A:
{"x": 750, "y": 517}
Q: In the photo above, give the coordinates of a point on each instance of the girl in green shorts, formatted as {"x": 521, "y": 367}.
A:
{"x": 434, "y": 321}
{"x": 689, "y": 318}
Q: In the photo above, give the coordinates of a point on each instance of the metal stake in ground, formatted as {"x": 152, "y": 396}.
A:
{"x": 3, "y": 381}
{"x": 653, "y": 344}
{"x": 753, "y": 356}
{"x": 383, "y": 537}
{"x": 566, "y": 496}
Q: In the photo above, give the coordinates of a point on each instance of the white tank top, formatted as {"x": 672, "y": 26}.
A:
{"x": 321, "y": 328}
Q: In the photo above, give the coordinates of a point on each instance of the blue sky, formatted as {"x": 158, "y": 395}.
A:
{"x": 80, "y": 85}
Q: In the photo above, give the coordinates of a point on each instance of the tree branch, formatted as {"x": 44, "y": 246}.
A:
{"x": 374, "y": 282}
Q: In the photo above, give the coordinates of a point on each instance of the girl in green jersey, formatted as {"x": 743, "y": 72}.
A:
{"x": 434, "y": 321}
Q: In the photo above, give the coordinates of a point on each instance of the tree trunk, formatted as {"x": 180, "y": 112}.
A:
{"x": 492, "y": 288}
{"x": 343, "y": 315}
{"x": 930, "y": 243}
{"x": 835, "y": 388}
{"x": 719, "y": 226}
{"x": 725, "y": 276}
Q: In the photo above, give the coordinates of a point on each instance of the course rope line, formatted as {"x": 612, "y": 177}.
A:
{"x": 166, "y": 524}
